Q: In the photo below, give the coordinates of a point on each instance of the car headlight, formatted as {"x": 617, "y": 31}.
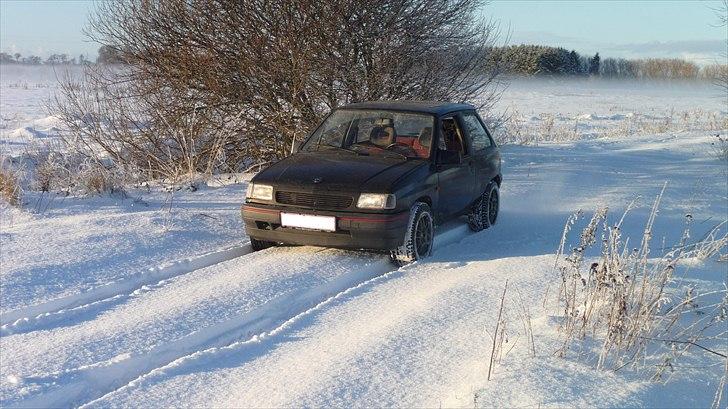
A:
{"x": 376, "y": 201}
{"x": 260, "y": 192}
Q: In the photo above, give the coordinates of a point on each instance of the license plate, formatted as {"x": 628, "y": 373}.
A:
{"x": 308, "y": 221}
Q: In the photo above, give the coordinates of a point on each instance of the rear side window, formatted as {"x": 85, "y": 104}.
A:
{"x": 478, "y": 135}
{"x": 452, "y": 136}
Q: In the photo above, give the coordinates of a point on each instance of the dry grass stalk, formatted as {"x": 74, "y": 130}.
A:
{"x": 721, "y": 387}
{"x": 525, "y": 316}
{"x": 498, "y": 335}
{"x": 623, "y": 298}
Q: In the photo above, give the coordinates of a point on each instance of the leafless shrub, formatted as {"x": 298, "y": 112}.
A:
{"x": 719, "y": 72}
{"x": 514, "y": 130}
{"x": 720, "y": 148}
{"x": 155, "y": 134}
{"x": 69, "y": 172}
{"x": 10, "y": 189}
{"x": 624, "y": 298}
{"x": 45, "y": 176}
{"x": 94, "y": 178}
{"x": 546, "y": 126}
{"x": 224, "y": 85}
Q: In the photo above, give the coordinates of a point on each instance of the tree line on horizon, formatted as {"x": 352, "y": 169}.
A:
{"x": 540, "y": 60}
{"x": 106, "y": 55}
{"x": 518, "y": 60}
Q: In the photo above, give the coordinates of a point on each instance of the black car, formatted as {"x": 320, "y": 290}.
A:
{"x": 379, "y": 176}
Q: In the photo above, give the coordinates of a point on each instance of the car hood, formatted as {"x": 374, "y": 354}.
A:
{"x": 337, "y": 171}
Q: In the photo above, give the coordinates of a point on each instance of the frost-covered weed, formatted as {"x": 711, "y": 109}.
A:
{"x": 556, "y": 128}
{"x": 720, "y": 148}
{"x": 628, "y": 302}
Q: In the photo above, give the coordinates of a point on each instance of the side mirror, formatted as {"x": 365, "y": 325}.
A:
{"x": 449, "y": 157}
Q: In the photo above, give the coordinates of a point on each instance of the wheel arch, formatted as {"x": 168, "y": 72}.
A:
{"x": 498, "y": 179}
{"x": 424, "y": 199}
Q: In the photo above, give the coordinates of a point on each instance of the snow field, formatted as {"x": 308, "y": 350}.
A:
{"x": 154, "y": 299}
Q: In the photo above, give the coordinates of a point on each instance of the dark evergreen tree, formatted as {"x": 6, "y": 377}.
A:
{"x": 573, "y": 66}
{"x": 594, "y": 65}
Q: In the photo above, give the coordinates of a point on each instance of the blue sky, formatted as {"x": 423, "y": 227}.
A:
{"x": 614, "y": 28}
{"x": 45, "y": 27}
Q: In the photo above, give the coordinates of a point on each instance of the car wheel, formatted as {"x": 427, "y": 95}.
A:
{"x": 484, "y": 212}
{"x": 418, "y": 238}
{"x": 258, "y": 245}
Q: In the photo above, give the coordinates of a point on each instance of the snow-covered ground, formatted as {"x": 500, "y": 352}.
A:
{"x": 154, "y": 298}
{"x": 578, "y": 109}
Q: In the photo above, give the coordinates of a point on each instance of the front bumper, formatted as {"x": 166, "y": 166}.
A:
{"x": 353, "y": 230}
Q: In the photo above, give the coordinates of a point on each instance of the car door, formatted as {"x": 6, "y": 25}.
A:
{"x": 484, "y": 151}
{"x": 455, "y": 180}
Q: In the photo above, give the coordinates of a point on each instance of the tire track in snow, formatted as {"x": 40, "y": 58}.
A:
{"x": 255, "y": 339}
{"x": 91, "y": 382}
{"x": 41, "y": 316}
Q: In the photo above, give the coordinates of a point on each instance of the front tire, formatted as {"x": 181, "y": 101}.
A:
{"x": 258, "y": 245}
{"x": 484, "y": 212}
{"x": 418, "y": 238}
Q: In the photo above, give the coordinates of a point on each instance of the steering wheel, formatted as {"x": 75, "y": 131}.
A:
{"x": 396, "y": 144}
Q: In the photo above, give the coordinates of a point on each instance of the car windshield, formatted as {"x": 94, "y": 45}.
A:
{"x": 374, "y": 132}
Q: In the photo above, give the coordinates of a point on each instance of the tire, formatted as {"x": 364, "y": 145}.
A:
{"x": 258, "y": 245}
{"x": 484, "y": 212}
{"x": 418, "y": 238}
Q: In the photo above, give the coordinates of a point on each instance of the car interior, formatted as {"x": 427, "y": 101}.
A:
{"x": 384, "y": 135}
{"x": 452, "y": 138}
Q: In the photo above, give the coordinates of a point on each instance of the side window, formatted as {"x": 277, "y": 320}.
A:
{"x": 452, "y": 136}
{"x": 478, "y": 135}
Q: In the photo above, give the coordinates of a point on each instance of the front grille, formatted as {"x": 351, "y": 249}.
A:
{"x": 314, "y": 200}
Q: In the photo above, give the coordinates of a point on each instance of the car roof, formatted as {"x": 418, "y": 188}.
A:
{"x": 430, "y": 107}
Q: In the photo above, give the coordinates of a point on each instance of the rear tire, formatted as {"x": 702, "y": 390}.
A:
{"x": 484, "y": 212}
{"x": 258, "y": 245}
{"x": 418, "y": 238}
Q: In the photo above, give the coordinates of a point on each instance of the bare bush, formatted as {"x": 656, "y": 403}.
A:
{"x": 719, "y": 72}
{"x": 68, "y": 172}
{"x": 720, "y": 148}
{"x": 224, "y": 85}
{"x": 154, "y": 134}
{"x": 10, "y": 189}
